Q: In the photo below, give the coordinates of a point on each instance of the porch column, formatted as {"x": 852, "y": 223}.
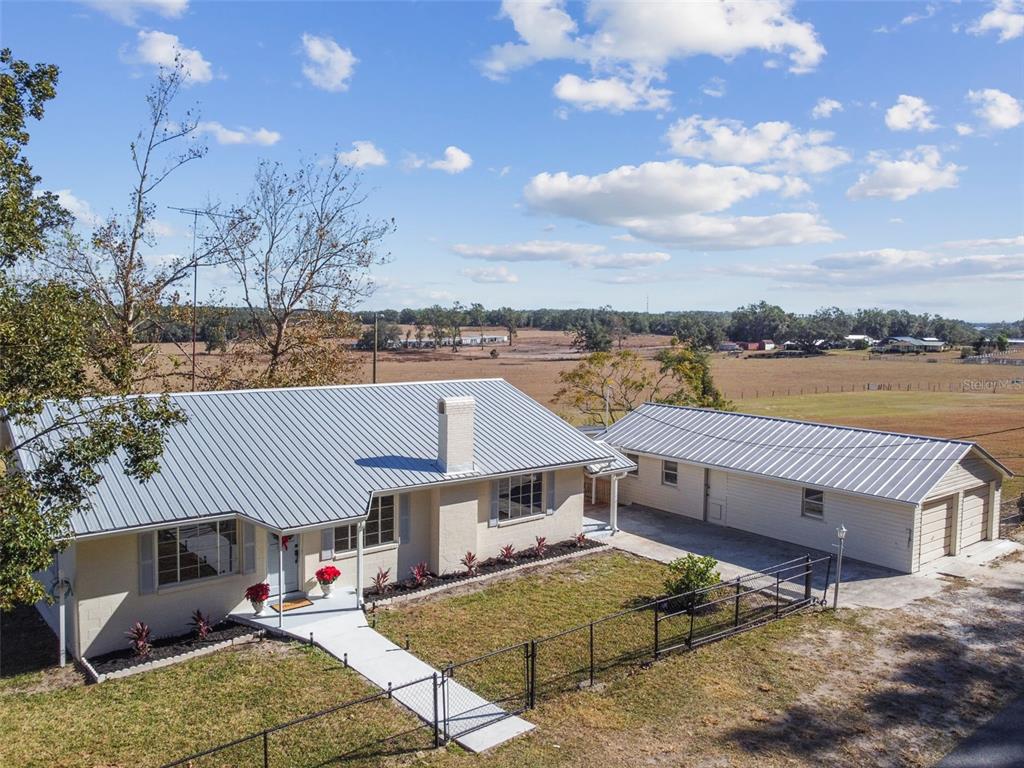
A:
{"x": 360, "y": 534}
{"x": 593, "y": 489}
{"x": 280, "y": 580}
{"x": 613, "y": 505}
{"x": 62, "y": 614}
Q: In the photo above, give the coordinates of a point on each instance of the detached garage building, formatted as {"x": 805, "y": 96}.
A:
{"x": 905, "y": 499}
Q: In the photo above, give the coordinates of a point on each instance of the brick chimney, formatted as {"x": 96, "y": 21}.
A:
{"x": 455, "y": 434}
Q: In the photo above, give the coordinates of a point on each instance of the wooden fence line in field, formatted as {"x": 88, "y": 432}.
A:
{"x": 928, "y": 386}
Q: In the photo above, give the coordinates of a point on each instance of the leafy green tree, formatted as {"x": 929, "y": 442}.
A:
{"x": 46, "y": 357}
{"x": 755, "y": 322}
{"x": 510, "y": 320}
{"x": 605, "y": 385}
{"x": 27, "y": 216}
{"x": 590, "y": 336}
{"x": 1002, "y": 342}
{"x": 686, "y": 378}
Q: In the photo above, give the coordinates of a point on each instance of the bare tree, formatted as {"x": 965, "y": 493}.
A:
{"x": 301, "y": 248}
{"x": 111, "y": 267}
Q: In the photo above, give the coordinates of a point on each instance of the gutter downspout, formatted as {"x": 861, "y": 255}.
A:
{"x": 62, "y": 613}
{"x": 360, "y": 533}
{"x": 280, "y": 581}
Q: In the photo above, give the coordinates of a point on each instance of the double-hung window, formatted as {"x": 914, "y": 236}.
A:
{"x": 520, "y": 496}
{"x": 813, "y": 504}
{"x": 190, "y": 552}
{"x": 669, "y": 473}
{"x": 380, "y": 527}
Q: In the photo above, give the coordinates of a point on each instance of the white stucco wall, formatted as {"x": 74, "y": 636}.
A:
{"x": 646, "y": 488}
{"x": 108, "y": 600}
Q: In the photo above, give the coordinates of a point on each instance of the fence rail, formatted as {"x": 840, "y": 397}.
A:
{"x": 510, "y": 680}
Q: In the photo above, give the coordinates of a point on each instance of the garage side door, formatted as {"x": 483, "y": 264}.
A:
{"x": 936, "y": 529}
{"x": 975, "y": 516}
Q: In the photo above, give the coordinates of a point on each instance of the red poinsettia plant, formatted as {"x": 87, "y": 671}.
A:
{"x": 257, "y": 593}
{"x": 327, "y": 575}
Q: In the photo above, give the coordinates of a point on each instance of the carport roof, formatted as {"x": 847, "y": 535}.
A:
{"x": 886, "y": 465}
{"x": 292, "y": 458}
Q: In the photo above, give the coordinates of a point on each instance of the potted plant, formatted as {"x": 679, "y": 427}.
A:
{"x": 257, "y": 594}
{"x": 326, "y": 577}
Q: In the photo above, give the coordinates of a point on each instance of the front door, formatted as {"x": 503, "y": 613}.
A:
{"x": 289, "y": 547}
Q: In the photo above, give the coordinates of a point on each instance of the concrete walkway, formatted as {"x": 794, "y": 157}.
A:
{"x": 339, "y": 628}
{"x": 664, "y": 537}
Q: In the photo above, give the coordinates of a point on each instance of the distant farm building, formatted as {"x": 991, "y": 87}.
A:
{"x": 905, "y": 344}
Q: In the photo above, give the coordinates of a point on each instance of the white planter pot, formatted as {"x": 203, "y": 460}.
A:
{"x": 257, "y": 607}
{"x": 327, "y": 589}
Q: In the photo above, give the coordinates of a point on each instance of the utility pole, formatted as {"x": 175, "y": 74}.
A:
{"x": 374, "y": 347}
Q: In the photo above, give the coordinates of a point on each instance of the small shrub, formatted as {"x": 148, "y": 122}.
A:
{"x": 494, "y": 354}
{"x": 381, "y": 581}
{"x": 201, "y": 625}
{"x": 580, "y": 539}
{"x": 507, "y": 553}
{"x": 471, "y": 563}
{"x": 257, "y": 593}
{"x": 542, "y": 546}
{"x": 420, "y": 573}
{"x": 691, "y": 573}
{"x": 139, "y": 639}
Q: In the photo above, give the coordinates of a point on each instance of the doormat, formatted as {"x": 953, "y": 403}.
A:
{"x": 291, "y": 605}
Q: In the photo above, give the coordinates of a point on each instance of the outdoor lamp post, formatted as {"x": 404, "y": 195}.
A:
{"x": 841, "y": 535}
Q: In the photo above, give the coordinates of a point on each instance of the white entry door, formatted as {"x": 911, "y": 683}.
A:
{"x": 290, "y": 550}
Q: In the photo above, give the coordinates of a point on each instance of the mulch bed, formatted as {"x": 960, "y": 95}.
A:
{"x": 491, "y": 565}
{"x": 168, "y": 647}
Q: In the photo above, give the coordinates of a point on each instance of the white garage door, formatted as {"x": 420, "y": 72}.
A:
{"x": 975, "y": 516}
{"x": 936, "y": 530}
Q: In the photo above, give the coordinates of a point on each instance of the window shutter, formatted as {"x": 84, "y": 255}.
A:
{"x": 147, "y": 571}
{"x": 492, "y": 521}
{"x": 404, "y": 519}
{"x": 248, "y": 548}
{"x": 549, "y": 492}
{"x": 327, "y": 544}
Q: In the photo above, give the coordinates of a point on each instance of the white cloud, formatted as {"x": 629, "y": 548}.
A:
{"x": 242, "y": 135}
{"x": 825, "y": 107}
{"x": 161, "y": 228}
{"x": 912, "y": 18}
{"x": 128, "y": 11}
{"x": 328, "y": 66}
{"x": 715, "y": 88}
{"x": 653, "y": 34}
{"x": 1005, "y": 243}
{"x": 586, "y": 255}
{"x": 611, "y": 93}
{"x": 772, "y": 145}
{"x": 917, "y": 170}
{"x": 667, "y": 202}
{"x": 910, "y": 113}
{"x": 1006, "y": 18}
{"x": 78, "y": 207}
{"x": 962, "y": 129}
{"x": 161, "y": 49}
{"x": 886, "y": 266}
{"x": 490, "y": 275}
{"x": 363, "y": 154}
{"x": 455, "y": 161}
{"x": 998, "y": 109}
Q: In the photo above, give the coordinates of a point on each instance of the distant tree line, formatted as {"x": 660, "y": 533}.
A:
{"x": 603, "y": 328}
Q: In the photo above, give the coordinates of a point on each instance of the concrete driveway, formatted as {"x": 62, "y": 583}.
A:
{"x": 664, "y": 536}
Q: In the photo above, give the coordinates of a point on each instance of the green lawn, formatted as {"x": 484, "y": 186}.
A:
{"x": 157, "y": 716}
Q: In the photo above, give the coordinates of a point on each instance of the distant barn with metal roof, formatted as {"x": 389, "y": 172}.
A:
{"x": 291, "y": 458}
{"x": 886, "y": 465}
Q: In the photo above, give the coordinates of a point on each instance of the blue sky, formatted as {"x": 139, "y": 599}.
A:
{"x": 693, "y": 156}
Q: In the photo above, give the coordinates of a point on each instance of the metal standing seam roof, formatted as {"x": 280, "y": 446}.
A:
{"x": 886, "y": 465}
{"x": 291, "y": 458}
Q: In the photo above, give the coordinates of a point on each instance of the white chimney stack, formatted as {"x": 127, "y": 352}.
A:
{"x": 455, "y": 434}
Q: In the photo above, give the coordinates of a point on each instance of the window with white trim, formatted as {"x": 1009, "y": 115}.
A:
{"x": 190, "y": 552}
{"x": 636, "y": 460}
{"x": 520, "y": 496}
{"x": 813, "y": 504}
{"x": 669, "y": 473}
{"x": 380, "y": 527}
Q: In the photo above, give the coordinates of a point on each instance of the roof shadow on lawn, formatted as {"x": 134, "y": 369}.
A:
{"x": 938, "y": 680}
{"x": 29, "y": 645}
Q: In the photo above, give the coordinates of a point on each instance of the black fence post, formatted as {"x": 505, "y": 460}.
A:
{"x": 591, "y": 654}
{"x": 266, "y": 751}
{"x": 736, "y": 616}
{"x": 437, "y": 730}
{"x": 689, "y": 639}
{"x": 778, "y": 581}
{"x": 807, "y": 577}
{"x": 656, "y": 630}
{"x": 532, "y": 650}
